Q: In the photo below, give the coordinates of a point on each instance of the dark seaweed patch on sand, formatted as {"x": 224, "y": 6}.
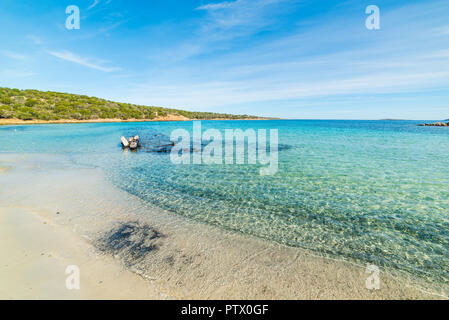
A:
{"x": 130, "y": 241}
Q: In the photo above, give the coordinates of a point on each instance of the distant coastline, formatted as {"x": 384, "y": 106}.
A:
{"x": 39, "y": 107}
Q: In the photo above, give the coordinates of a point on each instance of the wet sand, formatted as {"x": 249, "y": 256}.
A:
{"x": 53, "y": 214}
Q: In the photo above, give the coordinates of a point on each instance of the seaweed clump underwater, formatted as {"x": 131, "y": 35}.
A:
{"x": 130, "y": 241}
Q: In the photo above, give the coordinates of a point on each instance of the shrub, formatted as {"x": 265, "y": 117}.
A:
{"x": 77, "y": 116}
{"x": 5, "y": 112}
{"x": 31, "y": 102}
{"x": 25, "y": 116}
{"x": 6, "y": 100}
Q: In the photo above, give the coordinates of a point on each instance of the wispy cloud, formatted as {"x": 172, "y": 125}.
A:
{"x": 216, "y": 94}
{"x": 329, "y": 60}
{"x": 104, "y": 30}
{"x": 93, "y": 5}
{"x": 221, "y": 54}
{"x": 232, "y": 19}
{"x": 217, "y": 6}
{"x": 71, "y": 57}
{"x": 222, "y": 23}
{"x": 15, "y": 55}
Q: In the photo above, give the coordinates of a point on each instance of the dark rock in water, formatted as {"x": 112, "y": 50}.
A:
{"x": 130, "y": 241}
{"x": 436, "y": 124}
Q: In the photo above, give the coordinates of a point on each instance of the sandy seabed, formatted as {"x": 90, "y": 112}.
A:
{"x": 54, "y": 214}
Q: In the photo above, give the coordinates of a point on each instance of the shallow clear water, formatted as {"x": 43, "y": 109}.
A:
{"x": 370, "y": 191}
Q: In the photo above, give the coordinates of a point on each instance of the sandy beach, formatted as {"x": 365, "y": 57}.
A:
{"x": 170, "y": 117}
{"x": 35, "y": 255}
{"x": 53, "y": 215}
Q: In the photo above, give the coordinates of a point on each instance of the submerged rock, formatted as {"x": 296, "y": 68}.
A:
{"x": 158, "y": 142}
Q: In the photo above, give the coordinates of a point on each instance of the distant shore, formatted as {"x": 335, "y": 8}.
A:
{"x": 167, "y": 118}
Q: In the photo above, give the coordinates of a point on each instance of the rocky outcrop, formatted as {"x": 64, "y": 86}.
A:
{"x": 436, "y": 124}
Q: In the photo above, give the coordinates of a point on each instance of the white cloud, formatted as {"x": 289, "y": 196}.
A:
{"x": 69, "y": 56}
{"x": 93, "y": 5}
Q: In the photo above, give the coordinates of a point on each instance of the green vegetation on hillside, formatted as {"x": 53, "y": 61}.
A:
{"x": 39, "y": 105}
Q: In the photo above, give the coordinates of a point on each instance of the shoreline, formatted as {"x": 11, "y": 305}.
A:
{"x": 192, "y": 260}
{"x": 170, "y": 118}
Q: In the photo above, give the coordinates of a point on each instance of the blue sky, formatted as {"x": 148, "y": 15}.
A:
{"x": 286, "y": 58}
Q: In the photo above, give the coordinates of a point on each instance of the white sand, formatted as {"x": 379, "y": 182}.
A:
{"x": 191, "y": 260}
{"x": 35, "y": 255}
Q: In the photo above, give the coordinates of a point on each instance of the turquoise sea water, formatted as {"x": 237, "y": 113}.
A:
{"x": 367, "y": 191}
